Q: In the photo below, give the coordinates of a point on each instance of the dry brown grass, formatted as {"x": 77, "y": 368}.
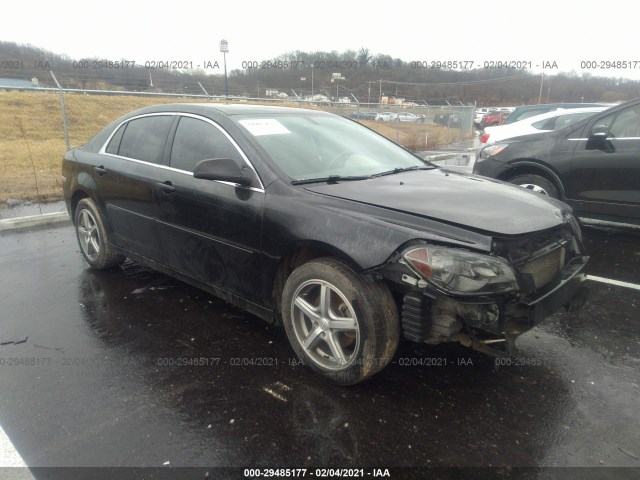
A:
{"x": 416, "y": 137}
{"x": 43, "y": 136}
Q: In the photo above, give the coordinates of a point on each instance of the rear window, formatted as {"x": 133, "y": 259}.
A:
{"x": 145, "y": 138}
{"x": 114, "y": 143}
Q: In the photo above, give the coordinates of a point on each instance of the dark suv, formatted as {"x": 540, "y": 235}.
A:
{"x": 593, "y": 165}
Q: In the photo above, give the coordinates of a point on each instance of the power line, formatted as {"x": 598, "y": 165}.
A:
{"x": 470, "y": 82}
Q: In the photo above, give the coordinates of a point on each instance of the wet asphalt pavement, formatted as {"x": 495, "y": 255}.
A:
{"x": 131, "y": 368}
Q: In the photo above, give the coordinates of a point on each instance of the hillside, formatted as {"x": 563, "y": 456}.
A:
{"x": 367, "y": 76}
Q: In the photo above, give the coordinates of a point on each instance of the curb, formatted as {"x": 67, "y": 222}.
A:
{"x": 34, "y": 221}
{"x": 445, "y": 154}
{"x": 440, "y": 156}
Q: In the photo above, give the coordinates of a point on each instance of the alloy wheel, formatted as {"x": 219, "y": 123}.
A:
{"x": 534, "y": 188}
{"x": 88, "y": 234}
{"x": 325, "y": 324}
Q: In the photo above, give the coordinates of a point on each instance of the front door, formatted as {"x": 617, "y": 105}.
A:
{"x": 211, "y": 230}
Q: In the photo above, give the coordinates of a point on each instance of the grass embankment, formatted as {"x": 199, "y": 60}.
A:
{"x": 416, "y": 136}
{"x": 32, "y": 137}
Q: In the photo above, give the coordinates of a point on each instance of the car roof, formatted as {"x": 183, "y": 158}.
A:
{"x": 554, "y": 106}
{"x": 225, "y": 108}
{"x": 558, "y": 113}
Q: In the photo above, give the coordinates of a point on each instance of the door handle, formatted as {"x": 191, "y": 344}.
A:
{"x": 100, "y": 170}
{"x": 167, "y": 187}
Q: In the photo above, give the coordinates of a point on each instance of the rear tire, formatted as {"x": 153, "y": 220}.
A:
{"x": 93, "y": 237}
{"x": 537, "y": 184}
{"x": 340, "y": 326}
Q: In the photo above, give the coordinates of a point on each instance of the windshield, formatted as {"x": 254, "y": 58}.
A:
{"x": 309, "y": 146}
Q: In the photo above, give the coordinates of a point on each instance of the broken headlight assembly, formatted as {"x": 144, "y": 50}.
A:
{"x": 460, "y": 272}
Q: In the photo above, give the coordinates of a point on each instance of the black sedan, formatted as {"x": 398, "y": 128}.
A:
{"x": 314, "y": 221}
{"x": 593, "y": 165}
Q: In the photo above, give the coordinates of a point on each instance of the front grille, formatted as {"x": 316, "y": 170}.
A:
{"x": 546, "y": 267}
{"x": 540, "y": 258}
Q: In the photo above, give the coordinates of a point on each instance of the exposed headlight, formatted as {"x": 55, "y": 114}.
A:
{"x": 491, "y": 150}
{"x": 460, "y": 272}
{"x": 569, "y": 218}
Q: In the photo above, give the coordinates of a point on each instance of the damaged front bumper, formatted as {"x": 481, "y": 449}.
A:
{"x": 490, "y": 324}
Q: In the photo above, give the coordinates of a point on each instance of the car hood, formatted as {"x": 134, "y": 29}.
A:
{"x": 470, "y": 201}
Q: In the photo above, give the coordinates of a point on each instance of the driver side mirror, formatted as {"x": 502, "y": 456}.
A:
{"x": 598, "y": 139}
{"x": 598, "y": 133}
{"x": 223, "y": 169}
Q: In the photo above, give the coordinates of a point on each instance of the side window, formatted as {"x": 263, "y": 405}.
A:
{"x": 145, "y": 138}
{"x": 566, "y": 120}
{"x": 626, "y": 124}
{"x": 606, "y": 121}
{"x": 546, "y": 124}
{"x": 529, "y": 113}
{"x": 197, "y": 140}
{"x": 114, "y": 144}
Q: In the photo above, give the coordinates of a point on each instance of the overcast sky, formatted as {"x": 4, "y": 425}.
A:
{"x": 567, "y": 33}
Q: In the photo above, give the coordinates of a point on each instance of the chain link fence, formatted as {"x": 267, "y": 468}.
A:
{"x": 37, "y": 126}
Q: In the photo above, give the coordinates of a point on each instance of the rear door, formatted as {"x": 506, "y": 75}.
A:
{"x": 605, "y": 177}
{"x": 211, "y": 230}
{"x": 137, "y": 152}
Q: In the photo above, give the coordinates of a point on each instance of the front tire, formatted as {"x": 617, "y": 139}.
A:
{"x": 93, "y": 238}
{"x": 339, "y": 325}
{"x": 536, "y": 183}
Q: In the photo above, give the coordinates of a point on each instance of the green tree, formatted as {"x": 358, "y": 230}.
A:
{"x": 363, "y": 56}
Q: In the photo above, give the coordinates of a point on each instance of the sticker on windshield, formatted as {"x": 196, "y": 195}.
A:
{"x": 264, "y": 126}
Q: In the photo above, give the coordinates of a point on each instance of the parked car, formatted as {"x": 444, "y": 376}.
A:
{"x": 592, "y": 165}
{"x": 365, "y": 116}
{"x": 410, "y": 117}
{"x": 553, "y": 120}
{"x": 313, "y": 221}
{"x": 526, "y": 111}
{"x": 482, "y": 111}
{"x": 479, "y": 113}
{"x": 387, "y": 117}
{"x": 496, "y": 117}
{"x": 451, "y": 119}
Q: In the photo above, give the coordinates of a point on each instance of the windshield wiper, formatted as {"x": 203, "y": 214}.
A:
{"x": 331, "y": 179}
{"x": 404, "y": 169}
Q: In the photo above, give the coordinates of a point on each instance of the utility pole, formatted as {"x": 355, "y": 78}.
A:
{"x": 224, "y": 48}
{"x": 337, "y": 77}
{"x": 541, "y": 82}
